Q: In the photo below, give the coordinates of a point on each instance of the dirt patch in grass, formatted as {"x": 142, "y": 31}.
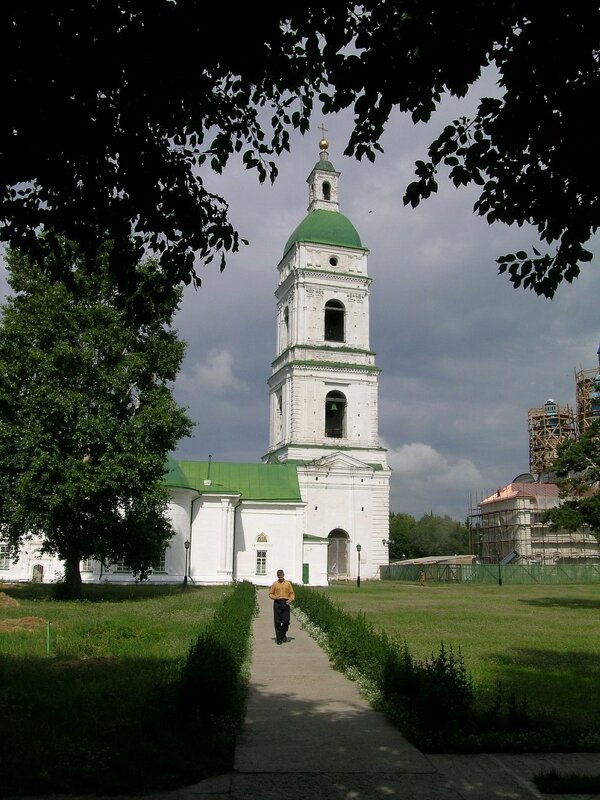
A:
{"x": 21, "y": 624}
{"x": 7, "y": 602}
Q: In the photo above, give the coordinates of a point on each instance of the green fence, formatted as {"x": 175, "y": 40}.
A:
{"x": 494, "y": 573}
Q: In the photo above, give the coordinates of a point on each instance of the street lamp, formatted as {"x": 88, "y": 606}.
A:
{"x": 186, "y": 544}
{"x": 358, "y": 549}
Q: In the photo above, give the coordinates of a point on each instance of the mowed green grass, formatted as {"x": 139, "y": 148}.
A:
{"x": 541, "y": 643}
{"x": 100, "y": 713}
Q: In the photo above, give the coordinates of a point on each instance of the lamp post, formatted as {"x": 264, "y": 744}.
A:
{"x": 358, "y": 549}
{"x": 186, "y": 544}
{"x": 499, "y": 569}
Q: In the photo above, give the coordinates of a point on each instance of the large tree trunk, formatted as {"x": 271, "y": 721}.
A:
{"x": 72, "y": 585}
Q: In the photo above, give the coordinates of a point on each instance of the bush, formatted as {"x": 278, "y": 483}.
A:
{"x": 213, "y": 680}
{"x": 431, "y": 701}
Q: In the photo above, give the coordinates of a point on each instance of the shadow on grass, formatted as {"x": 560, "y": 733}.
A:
{"x": 98, "y": 726}
{"x": 99, "y": 593}
{"x": 560, "y": 687}
{"x": 563, "y": 602}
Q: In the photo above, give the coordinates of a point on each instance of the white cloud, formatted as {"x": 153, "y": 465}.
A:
{"x": 422, "y": 462}
{"x": 425, "y": 479}
{"x": 215, "y": 376}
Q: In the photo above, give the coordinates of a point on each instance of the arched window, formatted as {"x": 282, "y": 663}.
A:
{"x": 326, "y": 190}
{"x": 335, "y": 415}
{"x": 261, "y": 554}
{"x": 334, "y": 321}
{"x": 286, "y": 322}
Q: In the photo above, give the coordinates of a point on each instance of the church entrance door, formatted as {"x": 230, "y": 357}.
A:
{"x": 337, "y": 554}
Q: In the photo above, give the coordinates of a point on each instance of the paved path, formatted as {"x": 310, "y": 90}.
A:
{"x": 309, "y": 735}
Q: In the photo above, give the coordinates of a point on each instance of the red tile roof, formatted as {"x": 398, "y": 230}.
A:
{"x": 522, "y": 490}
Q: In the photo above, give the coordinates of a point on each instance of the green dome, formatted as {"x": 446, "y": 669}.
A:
{"x": 325, "y": 227}
{"x": 327, "y": 166}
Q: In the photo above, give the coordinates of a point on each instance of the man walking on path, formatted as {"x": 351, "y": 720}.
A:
{"x": 282, "y": 594}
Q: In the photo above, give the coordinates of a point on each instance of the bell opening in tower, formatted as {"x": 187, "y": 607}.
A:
{"x": 335, "y": 415}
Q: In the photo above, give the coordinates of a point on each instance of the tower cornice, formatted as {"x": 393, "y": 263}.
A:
{"x": 324, "y": 366}
{"x": 296, "y": 276}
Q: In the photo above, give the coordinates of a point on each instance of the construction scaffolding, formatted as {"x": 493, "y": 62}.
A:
{"x": 587, "y": 392}
{"x": 548, "y": 427}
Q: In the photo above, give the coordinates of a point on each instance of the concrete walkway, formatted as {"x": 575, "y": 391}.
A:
{"x": 310, "y": 735}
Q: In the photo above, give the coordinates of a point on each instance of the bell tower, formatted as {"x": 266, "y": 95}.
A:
{"x": 324, "y": 386}
{"x": 324, "y": 381}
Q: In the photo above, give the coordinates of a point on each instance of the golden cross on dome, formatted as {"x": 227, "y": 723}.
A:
{"x": 323, "y": 144}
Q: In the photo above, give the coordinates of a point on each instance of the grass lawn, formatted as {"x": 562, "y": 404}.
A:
{"x": 541, "y": 642}
{"x": 99, "y": 713}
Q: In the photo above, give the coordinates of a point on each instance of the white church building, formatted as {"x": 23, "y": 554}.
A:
{"x": 318, "y": 504}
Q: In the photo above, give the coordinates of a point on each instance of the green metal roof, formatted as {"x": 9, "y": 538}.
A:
{"x": 174, "y": 476}
{"x": 325, "y": 227}
{"x": 269, "y": 482}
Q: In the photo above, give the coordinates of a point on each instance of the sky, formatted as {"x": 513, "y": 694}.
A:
{"x": 463, "y": 354}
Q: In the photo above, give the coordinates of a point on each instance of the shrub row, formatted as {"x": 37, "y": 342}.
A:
{"x": 213, "y": 679}
{"x": 431, "y": 701}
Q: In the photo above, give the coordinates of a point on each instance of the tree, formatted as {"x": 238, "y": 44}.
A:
{"x": 401, "y": 527}
{"x": 429, "y": 536}
{"x": 441, "y": 536}
{"x": 86, "y": 418}
{"x": 113, "y": 111}
{"x": 578, "y": 467}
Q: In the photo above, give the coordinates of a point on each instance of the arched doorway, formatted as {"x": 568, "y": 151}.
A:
{"x": 337, "y": 554}
{"x": 37, "y": 574}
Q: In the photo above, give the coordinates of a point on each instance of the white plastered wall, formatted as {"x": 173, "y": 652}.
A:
{"x": 282, "y": 524}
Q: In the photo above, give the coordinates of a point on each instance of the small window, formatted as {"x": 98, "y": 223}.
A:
{"x": 120, "y": 566}
{"x": 261, "y": 562}
{"x": 262, "y": 538}
{"x": 278, "y": 416}
{"x": 4, "y": 557}
{"x": 286, "y": 322}
{"x": 334, "y": 321}
{"x": 326, "y": 190}
{"x": 333, "y": 261}
{"x": 87, "y": 565}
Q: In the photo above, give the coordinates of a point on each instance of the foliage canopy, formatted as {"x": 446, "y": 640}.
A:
{"x": 429, "y": 536}
{"x": 578, "y": 468}
{"x": 86, "y": 418}
{"x": 115, "y": 110}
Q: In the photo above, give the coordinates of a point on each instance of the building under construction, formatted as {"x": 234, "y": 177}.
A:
{"x": 509, "y": 526}
{"x": 548, "y": 427}
{"x": 587, "y": 396}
